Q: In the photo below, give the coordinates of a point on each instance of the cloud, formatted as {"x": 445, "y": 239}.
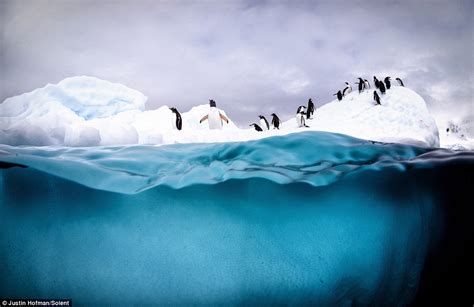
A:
{"x": 251, "y": 57}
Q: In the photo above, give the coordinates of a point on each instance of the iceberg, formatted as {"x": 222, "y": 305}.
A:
{"x": 87, "y": 111}
{"x": 311, "y": 218}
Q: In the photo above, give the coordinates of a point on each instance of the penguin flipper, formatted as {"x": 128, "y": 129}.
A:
{"x": 224, "y": 118}
{"x": 203, "y": 119}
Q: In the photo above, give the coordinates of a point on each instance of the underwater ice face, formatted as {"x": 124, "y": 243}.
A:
{"x": 310, "y": 218}
{"x": 317, "y": 158}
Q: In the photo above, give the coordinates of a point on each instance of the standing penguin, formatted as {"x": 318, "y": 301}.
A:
{"x": 310, "y": 109}
{"x": 400, "y": 82}
{"x": 257, "y": 127}
{"x": 339, "y": 95}
{"x": 382, "y": 87}
{"x": 347, "y": 90}
{"x": 214, "y": 117}
{"x": 387, "y": 82}
{"x": 176, "y": 120}
{"x": 376, "y": 82}
{"x": 361, "y": 85}
{"x": 275, "y": 121}
{"x": 300, "y": 115}
{"x": 366, "y": 84}
{"x": 376, "y": 98}
{"x": 264, "y": 122}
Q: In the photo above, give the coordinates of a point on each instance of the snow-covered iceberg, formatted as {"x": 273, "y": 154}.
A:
{"x": 86, "y": 111}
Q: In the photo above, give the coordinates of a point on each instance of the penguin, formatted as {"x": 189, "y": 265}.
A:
{"x": 275, "y": 121}
{"x": 310, "y": 109}
{"x": 382, "y": 87}
{"x": 300, "y": 115}
{"x": 387, "y": 82}
{"x": 400, "y": 82}
{"x": 377, "y": 98}
{"x": 257, "y": 127}
{"x": 264, "y": 122}
{"x": 376, "y": 82}
{"x": 300, "y": 109}
{"x": 347, "y": 90}
{"x": 339, "y": 95}
{"x": 361, "y": 85}
{"x": 214, "y": 117}
{"x": 176, "y": 120}
{"x": 366, "y": 84}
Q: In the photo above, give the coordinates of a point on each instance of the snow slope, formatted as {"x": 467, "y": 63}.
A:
{"x": 401, "y": 117}
{"x": 86, "y": 111}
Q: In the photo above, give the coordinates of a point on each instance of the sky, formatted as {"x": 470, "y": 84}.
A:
{"x": 251, "y": 57}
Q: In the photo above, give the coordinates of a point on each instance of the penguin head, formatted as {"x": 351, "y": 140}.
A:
{"x": 273, "y": 114}
{"x": 173, "y": 110}
{"x": 260, "y": 116}
{"x": 212, "y": 103}
{"x": 252, "y": 125}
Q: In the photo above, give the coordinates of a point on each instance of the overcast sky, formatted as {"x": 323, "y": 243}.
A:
{"x": 251, "y": 57}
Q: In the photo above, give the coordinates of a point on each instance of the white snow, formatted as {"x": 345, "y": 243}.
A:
{"x": 86, "y": 111}
{"x": 401, "y": 117}
{"x": 457, "y": 133}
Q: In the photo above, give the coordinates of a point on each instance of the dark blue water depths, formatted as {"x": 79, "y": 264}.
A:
{"x": 309, "y": 218}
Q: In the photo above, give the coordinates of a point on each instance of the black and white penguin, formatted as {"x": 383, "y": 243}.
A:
{"x": 339, "y": 95}
{"x": 257, "y": 127}
{"x": 300, "y": 117}
{"x": 376, "y": 98}
{"x": 382, "y": 87}
{"x": 264, "y": 122}
{"x": 176, "y": 120}
{"x": 214, "y": 117}
{"x": 310, "y": 109}
{"x": 347, "y": 90}
{"x": 387, "y": 82}
{"x": 361, "y": 85}
{"x": 376, "y": 82}
{"x": 366, "y": 84}
{"x": 275, "y": 121}
{"x": 400, "y": 82}
{"x": 300, "y": 109}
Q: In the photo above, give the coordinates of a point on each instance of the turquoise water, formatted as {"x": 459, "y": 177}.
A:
{"x": 308, "y": 218}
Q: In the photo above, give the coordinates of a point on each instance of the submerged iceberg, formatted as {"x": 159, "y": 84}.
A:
{"x": 311, "y": 218}
{"x": 86, "y": 111}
